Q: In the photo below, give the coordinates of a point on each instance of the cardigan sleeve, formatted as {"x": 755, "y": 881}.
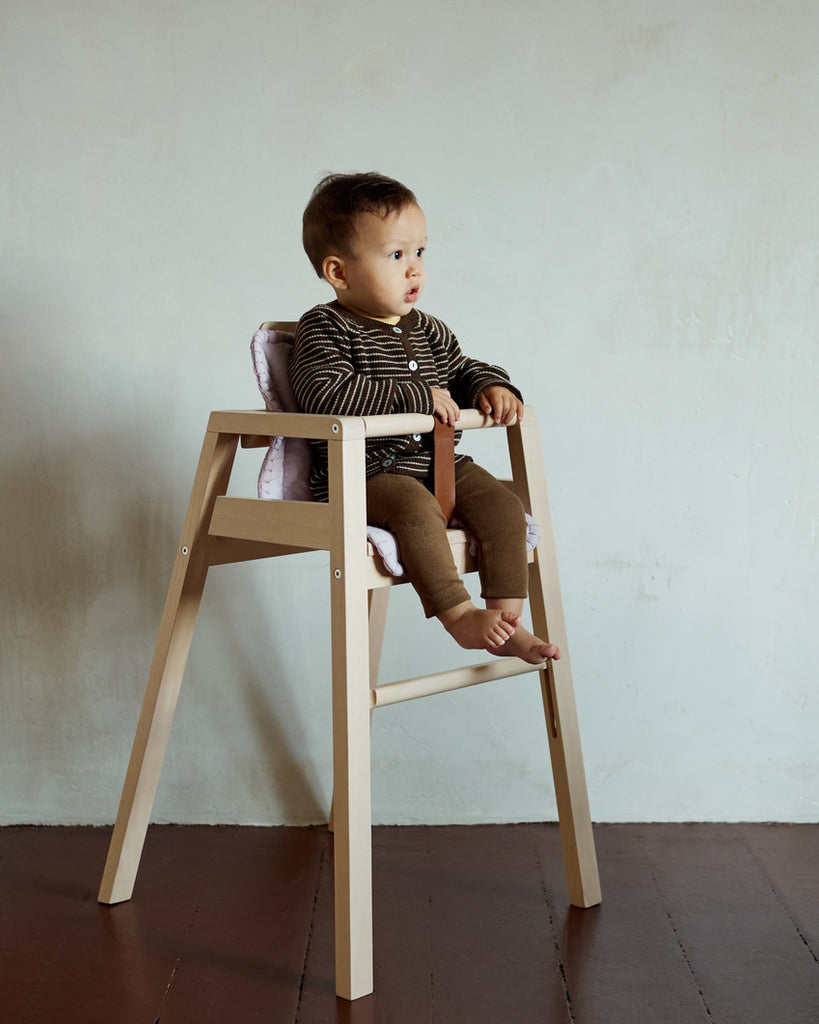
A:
{"x": 467, "y": 378}
{"x": 326, "y": 381}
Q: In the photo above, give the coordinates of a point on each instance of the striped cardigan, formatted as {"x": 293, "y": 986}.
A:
{"x": 349, "y": 365}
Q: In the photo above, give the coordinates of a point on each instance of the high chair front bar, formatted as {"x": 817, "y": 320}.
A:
{"x": 220, "y": 529}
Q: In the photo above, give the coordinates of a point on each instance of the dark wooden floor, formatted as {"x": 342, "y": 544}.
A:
{"x": 700, "y": 923}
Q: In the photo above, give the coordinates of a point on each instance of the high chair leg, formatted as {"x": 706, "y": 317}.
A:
{"x": 377, "y": 603}
{"x": 556, "y": 679}
{"x": 378, "y": 600}
{"x": 351, "y": 722}
{"x": 165, "y": 678}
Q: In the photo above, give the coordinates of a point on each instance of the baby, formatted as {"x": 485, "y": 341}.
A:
{"x": 371, "y": 352}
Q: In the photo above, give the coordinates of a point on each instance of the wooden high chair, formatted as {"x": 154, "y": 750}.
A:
{"x": 220, "y": 529}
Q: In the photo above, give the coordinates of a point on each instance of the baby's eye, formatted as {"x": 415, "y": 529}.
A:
{"x": 420, "y": 253}
{"x": 397, "y": 255}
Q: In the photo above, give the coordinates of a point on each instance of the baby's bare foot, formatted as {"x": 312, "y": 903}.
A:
{"x": 480, "y": 628}
{"x": 527, "y": 647}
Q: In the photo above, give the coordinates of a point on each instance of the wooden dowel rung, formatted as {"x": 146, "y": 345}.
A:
{"x": 454, "y": 679}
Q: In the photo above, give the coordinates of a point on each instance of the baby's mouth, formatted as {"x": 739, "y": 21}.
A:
{"x": 411, "y": 295}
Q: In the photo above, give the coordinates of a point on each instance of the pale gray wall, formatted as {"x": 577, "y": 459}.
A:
{"x": 622, "y": 208}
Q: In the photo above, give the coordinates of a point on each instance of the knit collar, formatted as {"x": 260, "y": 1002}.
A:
{"x": 405, "y": 324}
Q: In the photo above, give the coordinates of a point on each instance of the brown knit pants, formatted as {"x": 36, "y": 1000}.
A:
{"x": 405, "y": 506}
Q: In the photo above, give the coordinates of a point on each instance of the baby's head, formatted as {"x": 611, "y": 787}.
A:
{"x": 365, "y": 234}
{"x": 338, "y": 202}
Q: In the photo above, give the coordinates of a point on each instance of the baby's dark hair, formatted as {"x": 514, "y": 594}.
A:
{"x": 329, "y": 219}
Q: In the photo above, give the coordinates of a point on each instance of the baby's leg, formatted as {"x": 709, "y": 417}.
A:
{"x": 495, "y": 516}
{"x": 404, "y": 506}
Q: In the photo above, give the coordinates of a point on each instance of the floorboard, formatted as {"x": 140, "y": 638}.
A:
{"x": 749, "y": 960}
{"x": 622, "y": 959}
{"x": 700, "y": 924}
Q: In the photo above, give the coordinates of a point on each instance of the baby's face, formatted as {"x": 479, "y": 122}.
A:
{"x": 384, "y": 276}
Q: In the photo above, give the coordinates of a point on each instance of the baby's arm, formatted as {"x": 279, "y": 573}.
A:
{"x": 501, "y": 404}
{"x": 478, "y": 384}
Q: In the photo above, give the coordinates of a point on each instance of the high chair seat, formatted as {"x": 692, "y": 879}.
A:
{"x": 221, "y": 529}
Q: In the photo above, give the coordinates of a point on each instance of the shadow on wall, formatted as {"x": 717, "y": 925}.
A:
{"x": 268, "y": 692}
{"x": 90, "y": 530}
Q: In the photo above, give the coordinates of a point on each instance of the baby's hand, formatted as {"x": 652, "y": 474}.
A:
{"x": 501, "y": 404}
{"x": 446, "y": 408}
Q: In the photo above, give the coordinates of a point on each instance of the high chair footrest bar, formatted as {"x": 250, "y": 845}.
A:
{"x": 454, "y": 679}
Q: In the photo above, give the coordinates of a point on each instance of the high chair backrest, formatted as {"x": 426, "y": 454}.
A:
{"x": 285, "y": 470}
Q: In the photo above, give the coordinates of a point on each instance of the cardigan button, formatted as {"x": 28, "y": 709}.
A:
{"x": 412, "y": 365}
{"x": 416, "y": 437}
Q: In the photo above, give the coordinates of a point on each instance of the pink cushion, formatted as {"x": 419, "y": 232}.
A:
{"x": 285, "y": 471}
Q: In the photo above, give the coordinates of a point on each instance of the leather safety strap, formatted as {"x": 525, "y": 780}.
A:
{"x": 443, "y": 439}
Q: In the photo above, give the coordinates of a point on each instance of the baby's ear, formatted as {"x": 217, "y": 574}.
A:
{"x": 332, "y": 267}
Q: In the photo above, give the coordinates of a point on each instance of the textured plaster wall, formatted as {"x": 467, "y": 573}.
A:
{"x": 622, "y": 209}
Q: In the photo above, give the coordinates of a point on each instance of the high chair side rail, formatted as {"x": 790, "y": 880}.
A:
{"x": 285, "y": 424}
{"x": 261, "y": 423}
